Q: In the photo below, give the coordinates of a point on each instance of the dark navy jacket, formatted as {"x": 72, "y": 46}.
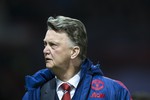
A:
{"x": 92, "y": 86}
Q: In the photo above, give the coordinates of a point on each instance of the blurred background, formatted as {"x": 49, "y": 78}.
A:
{"x": 118, "y": 31}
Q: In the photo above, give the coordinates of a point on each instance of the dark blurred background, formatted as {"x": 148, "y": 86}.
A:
{"x": 118, "y": 31}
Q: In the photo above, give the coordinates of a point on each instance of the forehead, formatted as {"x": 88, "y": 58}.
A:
{"x": 52, "y": 35}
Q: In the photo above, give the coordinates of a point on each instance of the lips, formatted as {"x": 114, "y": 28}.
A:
{"x": 48, "y": 59}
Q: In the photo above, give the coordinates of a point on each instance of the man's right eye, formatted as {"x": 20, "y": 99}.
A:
{"x": 51, "y": 44}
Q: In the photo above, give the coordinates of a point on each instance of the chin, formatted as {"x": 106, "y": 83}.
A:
{"x": 49, "y": 66}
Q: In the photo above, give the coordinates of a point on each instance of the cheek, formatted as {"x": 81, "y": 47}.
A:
{"x": 63, "y": 53}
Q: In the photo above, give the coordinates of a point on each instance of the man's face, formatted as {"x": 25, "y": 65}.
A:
{"x": 57, "y": 51}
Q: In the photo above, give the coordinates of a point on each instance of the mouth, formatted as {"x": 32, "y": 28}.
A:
{"x": 48, "y": 59}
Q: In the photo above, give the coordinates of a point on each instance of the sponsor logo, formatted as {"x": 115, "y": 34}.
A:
{"x": 97, "y": 95}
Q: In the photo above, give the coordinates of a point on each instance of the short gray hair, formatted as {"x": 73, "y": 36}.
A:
{"x": 74, "y": 28}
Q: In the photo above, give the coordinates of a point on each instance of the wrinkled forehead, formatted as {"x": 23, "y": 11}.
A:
{"x": 51, "y": 35}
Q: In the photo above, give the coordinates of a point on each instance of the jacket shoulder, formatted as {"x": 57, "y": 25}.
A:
{"x": 114, "y": 83}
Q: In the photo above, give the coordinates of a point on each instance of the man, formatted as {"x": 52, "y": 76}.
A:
{"x": 70, "y": 75}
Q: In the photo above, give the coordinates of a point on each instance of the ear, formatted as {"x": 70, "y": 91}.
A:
{"x": 75, "y": 52}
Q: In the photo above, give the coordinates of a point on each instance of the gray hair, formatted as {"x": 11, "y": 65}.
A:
{"x": 75, "y": 30}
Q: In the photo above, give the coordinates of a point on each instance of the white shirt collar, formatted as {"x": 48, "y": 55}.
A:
{"x": 73, "y": 81}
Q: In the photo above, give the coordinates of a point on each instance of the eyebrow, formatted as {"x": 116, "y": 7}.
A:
{"x": 51, "y": 41}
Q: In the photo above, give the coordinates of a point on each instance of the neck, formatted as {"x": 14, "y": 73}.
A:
{"x": 67, "y": 73}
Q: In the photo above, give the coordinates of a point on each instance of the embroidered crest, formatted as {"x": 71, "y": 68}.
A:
{"x": 97, "y": 84}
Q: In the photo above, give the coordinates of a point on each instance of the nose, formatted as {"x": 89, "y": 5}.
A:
{"x": 46, "y": 50}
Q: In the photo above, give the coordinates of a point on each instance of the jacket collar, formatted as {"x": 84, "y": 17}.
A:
{"x": 88, "y": 67}
{"x": 38, "y": 79}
